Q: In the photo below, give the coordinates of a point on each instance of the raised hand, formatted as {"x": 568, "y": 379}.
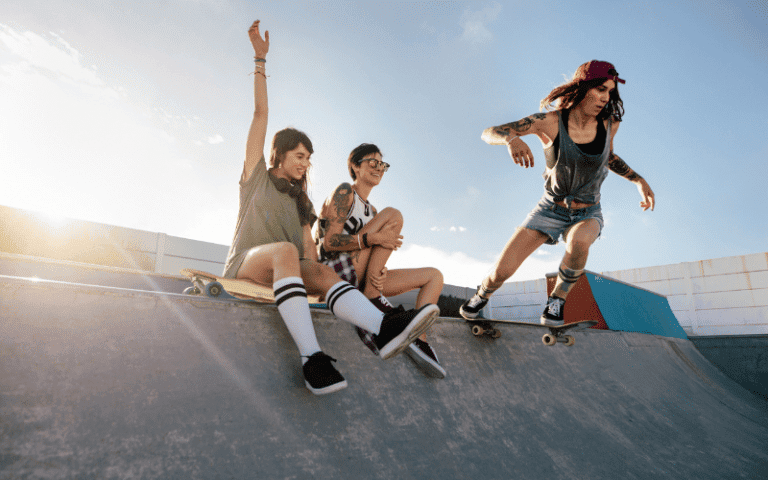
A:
{"x": 260, "y": 45}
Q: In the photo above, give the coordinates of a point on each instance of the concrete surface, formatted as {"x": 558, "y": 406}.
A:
{"x": 742, "y": 358}
{"x": 100, "y": 382}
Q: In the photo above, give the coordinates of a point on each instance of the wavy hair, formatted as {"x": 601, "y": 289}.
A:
{"x": 571, "y": 93}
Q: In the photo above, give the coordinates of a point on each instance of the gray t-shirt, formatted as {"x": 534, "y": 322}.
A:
{"x": 571, "y": 174}
{"x": 266, "y": 216}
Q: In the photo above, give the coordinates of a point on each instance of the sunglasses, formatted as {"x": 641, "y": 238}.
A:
{"x": 373, "y": 163}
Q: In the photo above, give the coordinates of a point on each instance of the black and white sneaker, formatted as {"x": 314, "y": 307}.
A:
{"x": 425, "y": 358}
{"x": 553, "y": 312}
{"x": 320, "y": 376}
{"x": 400, "y": 329}
{"x": 368, "y": 338}
{"x": 472, "y": 307}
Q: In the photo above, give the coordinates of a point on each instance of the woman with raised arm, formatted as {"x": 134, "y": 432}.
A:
{"x": 273, "y": 245}
{"x": 357, "y": 240}
{"x": 577, "y": 135}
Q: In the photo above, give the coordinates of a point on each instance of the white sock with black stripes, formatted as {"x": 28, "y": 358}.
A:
{"x": 350, "y": 305}
{"x": 291, "y": 300}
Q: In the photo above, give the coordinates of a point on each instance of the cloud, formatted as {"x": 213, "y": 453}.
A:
{"x": 450, "y": 229}
{"x": 62, "y": 60}
{"x": 475, "y": 24}
{"x": 462, "y": 270}
{"x": 215, "y": 139}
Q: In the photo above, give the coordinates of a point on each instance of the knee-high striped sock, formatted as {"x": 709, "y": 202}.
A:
{"x": 291, "y": 300}
{"x": 350, "y": 305}
{"x": 566, "y": 279}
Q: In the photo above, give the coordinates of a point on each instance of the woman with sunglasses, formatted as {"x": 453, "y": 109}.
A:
{"x": 273, "y": 246}
{"x": 578, "y": 147}
{"x": 357, "y": 240}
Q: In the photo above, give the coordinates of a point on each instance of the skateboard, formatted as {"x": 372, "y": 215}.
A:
{"x": 210, "y": 285}
{"x": 556, "y": 334}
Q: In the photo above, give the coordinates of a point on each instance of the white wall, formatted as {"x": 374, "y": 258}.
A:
{"x": 175, "y": 253}
{"x": 722, "y": 296}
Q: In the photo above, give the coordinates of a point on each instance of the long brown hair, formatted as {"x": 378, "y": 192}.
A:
{"x": 569, "y": 94}
{"x": 286, "y": 140}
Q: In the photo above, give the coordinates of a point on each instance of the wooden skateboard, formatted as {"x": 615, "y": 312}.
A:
{"x": 556, "y": 334}
{"x": 210, "y": 285}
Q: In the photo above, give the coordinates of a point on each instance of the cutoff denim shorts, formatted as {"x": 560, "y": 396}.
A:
{"x": 553, "y": 220}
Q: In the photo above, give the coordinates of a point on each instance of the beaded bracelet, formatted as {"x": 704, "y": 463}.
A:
{"x": 259, "y": 60}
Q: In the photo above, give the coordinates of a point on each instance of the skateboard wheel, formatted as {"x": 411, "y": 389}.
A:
{"x": 191, "y": 291}
{"x": 549, "y": 339}
{"x": 496, "y": 334}
{"x": 477, "y": 330}
{"x": 569, "y": 340}
{"x": 214, "y": 289}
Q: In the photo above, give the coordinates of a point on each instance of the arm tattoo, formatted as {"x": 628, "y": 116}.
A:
{"x": 341, "y": 200}
{"x": 620, "y": 167}
{"x": 520, "y": 126}
{"x": 342, "y": 240}
{"x": 341, "y": 203}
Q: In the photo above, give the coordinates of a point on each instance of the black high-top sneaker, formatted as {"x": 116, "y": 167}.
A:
{"x": 400, "y": 329}
{"x": 472, "y": 307}
{"x": 368, "y": 338}
{"x": 553, "y": 312}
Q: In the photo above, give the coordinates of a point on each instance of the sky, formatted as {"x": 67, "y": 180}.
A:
{"x": 136, "y": 113}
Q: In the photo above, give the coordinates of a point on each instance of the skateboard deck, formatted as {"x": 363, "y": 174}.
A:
{"x": 482, "y": 326}
{"x": 210, "y": 285}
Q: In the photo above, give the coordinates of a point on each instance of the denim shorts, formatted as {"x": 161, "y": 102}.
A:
{"x": 553, "y": 220}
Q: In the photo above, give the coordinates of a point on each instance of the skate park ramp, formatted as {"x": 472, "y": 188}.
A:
{"x": 99, "y": 382}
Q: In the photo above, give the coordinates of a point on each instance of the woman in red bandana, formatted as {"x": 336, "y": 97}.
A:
{"x": 577, "y": 135}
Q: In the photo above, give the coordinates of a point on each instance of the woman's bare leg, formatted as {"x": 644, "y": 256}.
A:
{"x": 428, "y": 280}
{"x": 578, "y": 240}
{"x": 519, "y": 247}
{"x": 372, "y": 261}
{"x": 277, "y": 265}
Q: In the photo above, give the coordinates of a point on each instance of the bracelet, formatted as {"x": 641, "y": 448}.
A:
{"x": 365, "y": 240}
{"x": 359, "y": 247}
{"x": 259, "y": 60}
{"x": 260, "y": 73}
{"x": 510, "y": 140}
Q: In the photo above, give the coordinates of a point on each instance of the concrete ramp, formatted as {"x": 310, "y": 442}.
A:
{"x": 100, "y": 382}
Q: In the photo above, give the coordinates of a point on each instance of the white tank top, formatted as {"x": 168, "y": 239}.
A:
{"x": 361, "y": 213}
